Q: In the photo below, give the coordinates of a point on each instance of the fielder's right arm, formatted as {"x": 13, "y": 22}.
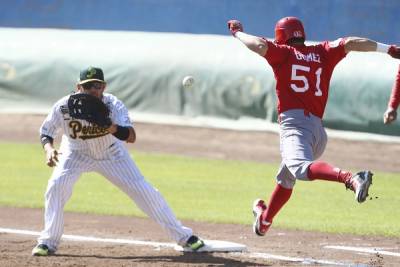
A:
{"x": 48, "y": 131}
{"x": 51, "y": 154}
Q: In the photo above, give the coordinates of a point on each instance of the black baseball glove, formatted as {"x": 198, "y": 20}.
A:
{"x": 90, "y": 108}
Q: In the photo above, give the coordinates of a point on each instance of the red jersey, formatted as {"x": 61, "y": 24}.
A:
{"x": 395, "y": 96}
{"x": 303, "y": 74}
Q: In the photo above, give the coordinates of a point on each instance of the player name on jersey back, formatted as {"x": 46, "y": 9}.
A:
{"x": 310, "y": 57}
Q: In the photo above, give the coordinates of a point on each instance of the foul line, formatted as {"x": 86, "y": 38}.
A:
{"x": 257, "y": 255}
{"x": 307, "y": 261}
{"x": 92, "y": 239}
{"x": 365, "y": 250}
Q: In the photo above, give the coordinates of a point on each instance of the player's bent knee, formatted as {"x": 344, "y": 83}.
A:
{"x": 299, "y": 170}
{"x": 287, "y": 183}
{"x": 60, "y": 184}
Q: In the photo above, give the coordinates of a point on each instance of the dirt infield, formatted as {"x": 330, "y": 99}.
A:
{"x": 299, "y": 247}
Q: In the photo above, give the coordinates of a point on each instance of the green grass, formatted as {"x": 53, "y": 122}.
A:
{"x": 208, "y": 190}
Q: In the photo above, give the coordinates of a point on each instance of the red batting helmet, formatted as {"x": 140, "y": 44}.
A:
{"x": 288, "y": 28}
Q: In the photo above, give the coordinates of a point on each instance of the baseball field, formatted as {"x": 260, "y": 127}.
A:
{"x": 210, "y": 178}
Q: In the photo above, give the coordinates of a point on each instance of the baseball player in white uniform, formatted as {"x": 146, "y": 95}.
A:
{"x": 86, "y": 147}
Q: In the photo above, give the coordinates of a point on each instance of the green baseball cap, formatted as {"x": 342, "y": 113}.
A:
{"x": 91, "y": 74}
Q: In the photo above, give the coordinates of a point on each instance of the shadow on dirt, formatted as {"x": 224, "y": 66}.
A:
{"x": 186, "y": 258}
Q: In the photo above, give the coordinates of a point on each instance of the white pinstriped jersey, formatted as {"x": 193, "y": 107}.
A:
{"x": 80, "y": 134}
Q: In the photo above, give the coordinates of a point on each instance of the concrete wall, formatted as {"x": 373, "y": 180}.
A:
{"x": 324, "y": 19}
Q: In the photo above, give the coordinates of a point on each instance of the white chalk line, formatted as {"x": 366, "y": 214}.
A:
{"x": 261, "y": 255}
{"x": 92, "y": 239}
{"x": 365, "y": 250}
{"x": 257, "y": 255}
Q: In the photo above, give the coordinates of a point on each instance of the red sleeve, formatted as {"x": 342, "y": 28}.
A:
{"x": 276, "y": 54}
{"x": 395, "y": 96}
{"x": 335, "y": 51}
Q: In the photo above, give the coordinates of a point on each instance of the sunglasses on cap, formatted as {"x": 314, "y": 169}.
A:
{"x": 95, "y": 85}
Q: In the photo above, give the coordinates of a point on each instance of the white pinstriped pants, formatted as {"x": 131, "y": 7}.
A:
{"x": 118, "y": 167}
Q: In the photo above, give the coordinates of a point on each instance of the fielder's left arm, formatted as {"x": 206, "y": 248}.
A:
{"x": 127, "y": 134}
{"x": 122, "y": 126}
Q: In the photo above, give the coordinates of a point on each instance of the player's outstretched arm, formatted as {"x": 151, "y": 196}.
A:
{"x": 127, "y": 134}
{"x": 390, "y": 114}
{"x": 132, "y": 135}
{"x": 366, "y": 45}
{"x": 254, "y": 43}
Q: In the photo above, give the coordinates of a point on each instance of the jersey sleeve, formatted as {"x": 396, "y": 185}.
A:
{"x": 276, "y": 54}
{"x": 395, "y": 95}
{"x": 334, "y": 51}
{"x": 120, "y": 115}
{"x": 53, "y": 121}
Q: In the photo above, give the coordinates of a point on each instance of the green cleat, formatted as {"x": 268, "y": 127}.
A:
{"x": 194, "y": 243}
{"x": 41, "y": 250}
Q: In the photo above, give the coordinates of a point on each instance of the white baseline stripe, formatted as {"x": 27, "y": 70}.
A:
{"x": 92, "y": 239}
{"x": 365, "y": 250}
{"x": 172, "y": 245}
{"x": 307, "y": 261}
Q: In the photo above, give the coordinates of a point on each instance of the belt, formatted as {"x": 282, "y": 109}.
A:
{"x": 306, "y": 114}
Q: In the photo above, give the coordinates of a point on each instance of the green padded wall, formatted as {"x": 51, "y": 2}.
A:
{"x": 145, "y": 70}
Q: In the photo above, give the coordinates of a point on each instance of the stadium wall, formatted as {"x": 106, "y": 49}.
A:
{"x": 324, "y": 20}
{"x": 145, "y": 70}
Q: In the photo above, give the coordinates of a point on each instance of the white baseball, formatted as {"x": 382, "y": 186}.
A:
{"x": 188, "y": 81}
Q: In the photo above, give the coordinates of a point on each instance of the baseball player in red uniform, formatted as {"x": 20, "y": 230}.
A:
{"x": 302, "y": 74}
{"x": 391, "y": 112}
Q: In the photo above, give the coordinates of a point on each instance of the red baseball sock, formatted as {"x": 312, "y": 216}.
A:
{"x": 278, "y": 198}
{"x": 323, "y": 171}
